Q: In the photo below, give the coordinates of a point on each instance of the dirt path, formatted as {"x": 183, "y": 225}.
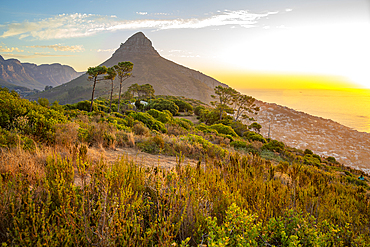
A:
{"x": 193, "y": 118}
{"x": 145, "y": 159}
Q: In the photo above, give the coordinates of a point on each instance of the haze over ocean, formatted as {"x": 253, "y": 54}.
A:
{"x": 350, "y": 108}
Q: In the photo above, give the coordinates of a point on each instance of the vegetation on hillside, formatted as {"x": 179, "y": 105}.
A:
{"x": 245, "y": 191}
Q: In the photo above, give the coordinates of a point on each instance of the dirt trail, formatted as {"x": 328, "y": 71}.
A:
{"x": 192, "y": 118}
{"x": 141, "y": 158}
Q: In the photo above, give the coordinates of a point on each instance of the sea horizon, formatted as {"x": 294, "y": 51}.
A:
{"x": 350, "y": 108}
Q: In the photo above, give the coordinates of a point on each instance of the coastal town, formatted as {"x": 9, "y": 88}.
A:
{"x": 323, "y": 136}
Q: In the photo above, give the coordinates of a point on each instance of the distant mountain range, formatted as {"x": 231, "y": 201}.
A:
{"x": 13, "y": 73}
{"x": 167, "y": 77}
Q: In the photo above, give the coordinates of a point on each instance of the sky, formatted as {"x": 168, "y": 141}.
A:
{"x": 244, "y": 43}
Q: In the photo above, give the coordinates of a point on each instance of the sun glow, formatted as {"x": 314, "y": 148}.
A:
{"x": 283, "y": 81}
{"x": 335, "y": 50}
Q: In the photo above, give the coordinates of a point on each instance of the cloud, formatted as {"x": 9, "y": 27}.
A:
{"x": 82, "y": 25}
{"x": 105, "y": 50}
{"x": 59, "y": 47}
{"x": 7, "y": 49}
{"x": 288, "y": 10}
{"x": 142, "y": 13}
{"x": 36, "y": 54}
{"x": 60, "y": 26}
{"x": 161, "y": 14}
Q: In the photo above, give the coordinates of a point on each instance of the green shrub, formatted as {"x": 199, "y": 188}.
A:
{"x": 312, "y": 159}
{"x": 239, "y": 128}
{"x": 253, "y": 136}
{"x": 43, "y": 102}
{"x": 40, "y": 121}
{"x": 205, "y": 129}
{"x": 238, "y": 144}
{"x": 163, "y": 117}
{"x": 102, "y": 108}
{"x": 162, "y": 104}
{"x": 184, "y": 123}
{"x": 331, "y": 160}
{"x": 85, "y": 106}
{"x": 198, "y": 110}
{"x": 238, "y": 229}
{"x": 223, "y": 129}
{"x": 270, "y": 155}
{"x": 149, "y": 121}
{"x": 183, "y": 106}
{"x": 209, "y": 116}
{"x": 274, "y": 145}
{"x": 208, "y": 148}
{"x": 308, "y": 151}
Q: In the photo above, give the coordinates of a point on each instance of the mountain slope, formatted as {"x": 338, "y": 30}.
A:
{"x": 166, "y": 76}
{"x": 35, "y": 76}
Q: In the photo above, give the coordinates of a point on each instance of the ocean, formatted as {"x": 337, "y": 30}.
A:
{"x": 347, "y": 107}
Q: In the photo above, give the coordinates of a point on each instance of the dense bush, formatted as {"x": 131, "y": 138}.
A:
{"x": 163, "y": 104}
{"x": 274, "y": 145}
{"x": 312, "y": 159}
{"x": 163, "y": 117}
{"x": 205, "y": 129}
{"x": 239, "y": 128}
{"x": 209, "y": 149}
{"x": 183, "y": 106}
{"x": 184, "y": 123}
{"x": 198, "y": 110}
{"x": 149, "y": 121}
{"x": 253, "y": 136}
{"x": 238, "y": 144}
{"x": 223, "y": 129}
{"x": 28, "y": 118}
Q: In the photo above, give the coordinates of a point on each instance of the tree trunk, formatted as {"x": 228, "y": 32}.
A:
{"x": 92, "y": 96}
{"x": 111, "y": 95}
{"x": 119, "y": 95}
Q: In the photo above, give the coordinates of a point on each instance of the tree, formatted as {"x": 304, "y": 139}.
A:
{"x": 225, "y": 97}
{"x": 48, "y": 88}
{"x": 163, "y": 104}
{"x": 123, "y": 70}
{"x": 43, "y": 102}
{"x": 134, "y": 88}
{"x": 244, "y": 104}
{"x": 231, "y": 101}
{"x": 111, "y": 76}
{"x": 142, "y": 91}
{"x": 256, "y": 127}
{"x": 146, "y": 91}
{"x": 94, "y": 73}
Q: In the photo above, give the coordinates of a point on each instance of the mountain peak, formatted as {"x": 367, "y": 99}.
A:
{"x": 137, "y": 43}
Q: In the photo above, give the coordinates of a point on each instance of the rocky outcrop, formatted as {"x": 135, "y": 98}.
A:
{"x": 136, "y": 44}
{"x": 35, "y": 76}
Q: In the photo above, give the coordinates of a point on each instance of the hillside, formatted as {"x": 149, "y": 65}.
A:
{"x": 324, "y": 136}
{"x": 19, "y": 89}
{"x": 167, "y": 77}
{"x": 148, "y": 178}
{"x": 34, "y": 76}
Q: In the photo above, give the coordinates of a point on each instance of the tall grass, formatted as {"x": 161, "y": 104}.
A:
{"x": 220, "y": 204}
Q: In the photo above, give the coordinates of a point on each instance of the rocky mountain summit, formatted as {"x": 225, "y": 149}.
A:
{"x": 166, "y": 77}
{"x": 35, "y": 76}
